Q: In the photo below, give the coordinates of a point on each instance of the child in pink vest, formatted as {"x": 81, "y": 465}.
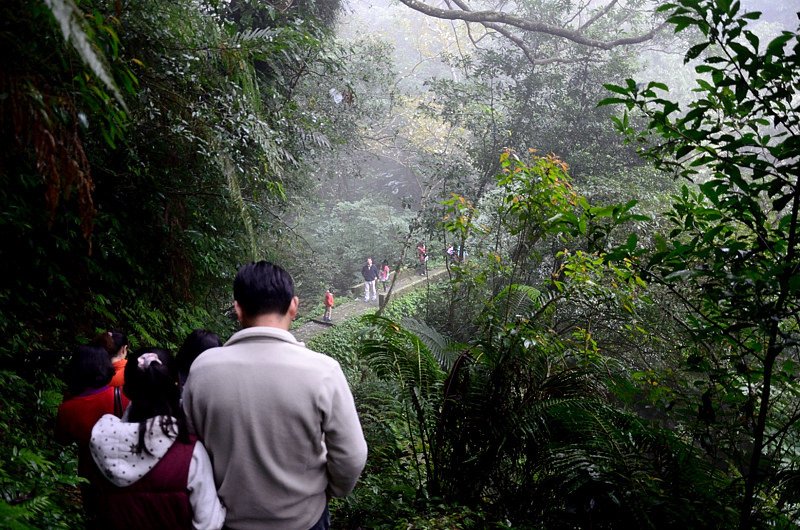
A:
{"x": 152, "y": 474}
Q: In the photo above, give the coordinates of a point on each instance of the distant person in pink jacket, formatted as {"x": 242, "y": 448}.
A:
{"x": 383, "y": 274}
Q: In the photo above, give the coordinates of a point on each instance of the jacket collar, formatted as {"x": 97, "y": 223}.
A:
{"x": 262, "y": 332}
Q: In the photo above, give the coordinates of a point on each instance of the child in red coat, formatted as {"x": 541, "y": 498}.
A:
{"x": 328, "y": 305}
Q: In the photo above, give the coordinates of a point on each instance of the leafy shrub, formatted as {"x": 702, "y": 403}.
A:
{"x": 38, "y": 481}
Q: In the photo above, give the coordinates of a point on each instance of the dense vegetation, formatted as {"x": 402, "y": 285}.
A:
{"x": 620, "y": 347}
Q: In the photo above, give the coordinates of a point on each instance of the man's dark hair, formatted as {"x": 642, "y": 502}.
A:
{"x": 261, "y": 288}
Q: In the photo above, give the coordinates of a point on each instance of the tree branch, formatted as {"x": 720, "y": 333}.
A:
{"x": 598, "y": 15}
{"x": 496, "y": 17}
{"x": 519, "y": 42}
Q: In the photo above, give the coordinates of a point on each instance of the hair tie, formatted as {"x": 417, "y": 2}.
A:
{"x": 146, "y": 358}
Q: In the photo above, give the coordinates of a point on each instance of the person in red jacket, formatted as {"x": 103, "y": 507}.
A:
{"x": 422, "y": 258}
{"x": 328, "y": 305}
{"x": 89, "y": 396}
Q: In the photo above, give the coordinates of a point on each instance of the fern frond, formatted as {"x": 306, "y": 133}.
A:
{"x": 396, "y": 352}
{"x": 70, "y": 20}
{"x": 314, "y": 138}
{"x": 257, "y": 34}
{"x": 518, "y": 297}
{"x": 442, "y": 348}
{"x": 236, "y": 193}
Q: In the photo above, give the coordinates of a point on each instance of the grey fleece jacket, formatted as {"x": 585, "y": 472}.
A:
{"x": 280, "y": 425}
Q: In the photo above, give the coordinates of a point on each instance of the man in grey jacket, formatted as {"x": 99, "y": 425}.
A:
{"x": 278, "y": 420}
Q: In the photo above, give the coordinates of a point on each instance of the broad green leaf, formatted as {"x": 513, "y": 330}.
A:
{"x": 695, "y": 51}
{"x": 616, "y": 89}
{"x": 776, "y": 45}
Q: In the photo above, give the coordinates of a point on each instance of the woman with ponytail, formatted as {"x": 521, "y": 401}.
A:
{"x": 154, "y": 474}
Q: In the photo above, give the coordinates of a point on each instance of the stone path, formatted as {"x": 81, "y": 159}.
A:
{"x": 348, "y": 307}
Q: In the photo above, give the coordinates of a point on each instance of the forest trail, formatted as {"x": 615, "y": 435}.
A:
{"x": 348, "y": 307}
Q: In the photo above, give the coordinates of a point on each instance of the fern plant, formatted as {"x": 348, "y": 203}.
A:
{"x": 513, "y": 425}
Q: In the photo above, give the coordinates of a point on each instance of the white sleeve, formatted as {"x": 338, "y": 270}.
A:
{"x": 208, "y": 513}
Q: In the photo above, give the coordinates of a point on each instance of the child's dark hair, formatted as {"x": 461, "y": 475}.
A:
{"x": 89, "y": 367}
{"x": 196, "y": 343}
{"x": 151, "y": 383}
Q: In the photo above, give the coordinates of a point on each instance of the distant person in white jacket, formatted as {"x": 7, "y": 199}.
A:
{"x": 154, "y": 475}
{"x": 278, "y": 419}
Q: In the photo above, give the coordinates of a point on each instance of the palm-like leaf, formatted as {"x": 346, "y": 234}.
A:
{"x": 620, "y": 465}
{"x": 518, "y": 298}
{"x": 519, "y": 302}
{"x": 70, "y": 20}
{"x": 444, "y": 350}
{"x": 253, "y": 36}
{"x": 393, "y": 351}
{"x": 529, "y": 431}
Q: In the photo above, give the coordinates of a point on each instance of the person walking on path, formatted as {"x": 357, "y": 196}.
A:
{"x": 328, "y": 305}
{"x": 422, "y": 257}
{"x": 384, "y": 274}
{"x": 370, "y": 274}
{"x": 153, "y": 475}
{"x": 89, "y": 396}
{"x": 278, "y": 419}
{"x": 198, "y": 341}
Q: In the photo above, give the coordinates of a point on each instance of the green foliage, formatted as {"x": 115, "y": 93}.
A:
{"x": 411, "y": 305}
{"x": 505, "y": 101}
{"x": 522, "y": 231}
{"x": 393, "y": 471}
{"x": 338, "y": 343}
{"x": 80, "y": 35}
{"x": 141, "y": 161}
{"x": 534, "y": 418}
{"x": 731, "y": 257}
{"x": 534, "y": 199}
{"x": 163, "y": 144}
{"x": 37, "y": 477}
{"x": 515, "y": 425}
{"x": 387, "y": 490}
